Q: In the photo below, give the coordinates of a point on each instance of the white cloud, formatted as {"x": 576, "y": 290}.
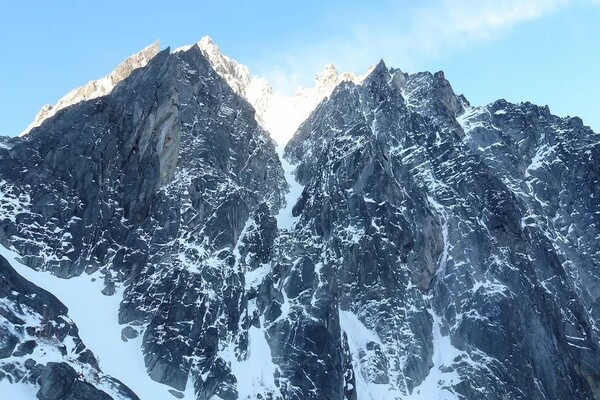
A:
{"x": 404, "y": 36}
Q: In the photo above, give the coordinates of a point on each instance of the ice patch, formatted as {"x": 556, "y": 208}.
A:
{"x": 256, "y": 276}
{"x": 468, "y": 119}
{"x": 356, "y": 331}
{"x": 537, "y": 162}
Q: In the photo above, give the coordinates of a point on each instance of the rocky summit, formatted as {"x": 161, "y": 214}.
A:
{"x": 156, "y": 243}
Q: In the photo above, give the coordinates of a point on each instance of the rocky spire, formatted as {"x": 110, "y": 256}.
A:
{"x": 96, "y": 88}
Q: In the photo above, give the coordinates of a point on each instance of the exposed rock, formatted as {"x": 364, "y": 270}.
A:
{"x": 153, "y": 184}
{"x": 437, "y": 249}
{"x": 56, "y": 382}
{"x": 25, "y": 348}
{"x": 129, "y": 333}
{"x": 61, "y": 382}
{"x": 97, "y": 88}
{"x": 8, "y": 342}
{"x": 176, "y": 394}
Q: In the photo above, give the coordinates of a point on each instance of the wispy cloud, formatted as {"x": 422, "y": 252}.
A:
{"x": 405, "y": 36}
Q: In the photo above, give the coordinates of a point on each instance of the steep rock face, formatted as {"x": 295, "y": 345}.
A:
{"x": 153, "y": 186}
{"x": 402, "y": 202}
{"x": 96, "y": 88}
{"x": 253, "y": 88}
{"x": 435, "y": 249}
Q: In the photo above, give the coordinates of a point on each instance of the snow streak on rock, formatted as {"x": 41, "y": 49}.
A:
{"x": 403, "y": 245}
{"x": 280, "y": 114}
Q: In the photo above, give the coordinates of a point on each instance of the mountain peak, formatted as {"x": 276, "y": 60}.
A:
{"x": 279, "y": 114}
{"x": 378, "y": 69}
{"x": 208, "y": 45}
{"x": 329, "y": 72}
{"x": 98, "y": 87}
{"x": 153, "y": 48}
{"x": 402, "y": 245}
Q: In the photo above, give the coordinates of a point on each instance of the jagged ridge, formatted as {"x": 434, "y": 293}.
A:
{"x": 437, "y": 250}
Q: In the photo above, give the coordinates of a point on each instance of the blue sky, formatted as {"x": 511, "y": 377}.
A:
{"x": 544, "y": 51}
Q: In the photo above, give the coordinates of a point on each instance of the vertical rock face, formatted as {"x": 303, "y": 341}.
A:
{"x": 455, "y": 234}
{"x": 376, "y": 239}
{"x": 437, "y": 250}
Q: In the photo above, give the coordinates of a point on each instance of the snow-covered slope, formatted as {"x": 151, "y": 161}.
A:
{"x": 284, "y": 114}
{"x": 279, "y": 113}
{"x": 93, "y": 312}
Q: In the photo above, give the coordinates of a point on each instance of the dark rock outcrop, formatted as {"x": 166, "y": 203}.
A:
{"x": 59, "y": 381}
{"x": 441, "y": 224}
{"x": 438, "y": 249}
{"x": 151, "y": 186}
